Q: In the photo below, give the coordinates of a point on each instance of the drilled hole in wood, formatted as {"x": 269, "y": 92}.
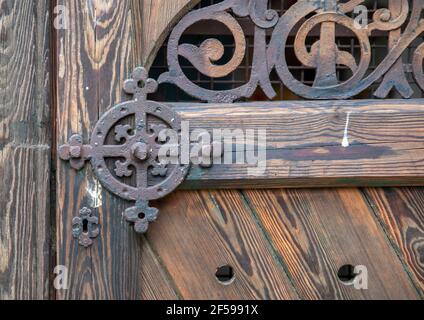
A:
{"x": 225, "y": 275}
{"x": 347, "y": 274}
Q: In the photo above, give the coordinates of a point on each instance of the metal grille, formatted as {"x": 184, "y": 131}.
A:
{"x": 345, "y": 40}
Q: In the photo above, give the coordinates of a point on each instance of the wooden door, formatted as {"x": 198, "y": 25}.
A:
{"x": 281, "y": 243}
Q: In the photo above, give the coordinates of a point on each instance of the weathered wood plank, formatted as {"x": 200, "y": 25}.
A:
{"x": 318, "y": 231}
{"x": 152, "y": 282}
{"x": 95, "y": 56}
{"x": 198, "y": 232}
{"x": 77, "y": 108}
{"x": 400, "y": 210}
{"x": 306, "y": 143}
{"x": 131, "y": 256}
{"x": 25, "y": 138}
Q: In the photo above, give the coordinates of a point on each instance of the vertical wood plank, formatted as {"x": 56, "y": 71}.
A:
{"x": 25, "y": 138}
{"x": 401, "y": 212}
{"x": 125, "y": 259}
{"x": 318, "y": 231}
{"x": 95, "y": 56}
{"x": 198, "y": 232}
{"x": 77, "y": 110}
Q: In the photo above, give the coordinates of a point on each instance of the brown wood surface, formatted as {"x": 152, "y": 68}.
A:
{"x": 304, "y": 143}
{"x": 318, "y": 231}
{"x": 25, "y": 138}
{"x": 401, "y": 213}
{"x": 154, "y": 22}
{"x": 201, "y": 231}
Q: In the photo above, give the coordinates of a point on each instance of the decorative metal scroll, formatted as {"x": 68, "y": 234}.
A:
{"x": 401, "y": 20}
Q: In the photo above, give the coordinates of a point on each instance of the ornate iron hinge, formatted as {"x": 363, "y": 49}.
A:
{"x": 130, "y": 136}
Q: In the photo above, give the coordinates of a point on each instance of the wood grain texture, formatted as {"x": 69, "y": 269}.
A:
{"x": 198, "y": 232}
{"x": 25, "y": 89}
{"x": 401, "y": 213}
{"x": 305, "y": 143}
{"x": 94, "y": 56}
{"x": 153, "y": 282}
{"x": 155, "y": 19}
{"x": 318, "y": 231}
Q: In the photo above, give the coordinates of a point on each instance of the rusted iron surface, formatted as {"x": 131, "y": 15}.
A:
{"x": 141, "y": 215}
{"x": 401, "y": 20}
{"x": 124, "y": 153}
{"x": 75, "y": 152}
{"x": 136, "y": 152}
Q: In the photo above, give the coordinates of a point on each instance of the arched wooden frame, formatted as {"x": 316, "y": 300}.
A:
{"x": 158, "y": 17}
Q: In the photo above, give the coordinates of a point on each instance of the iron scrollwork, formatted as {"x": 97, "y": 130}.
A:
{"x": 401, "y": 20}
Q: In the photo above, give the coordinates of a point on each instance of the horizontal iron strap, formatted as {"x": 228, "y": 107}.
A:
{"x": 316, "y": 144}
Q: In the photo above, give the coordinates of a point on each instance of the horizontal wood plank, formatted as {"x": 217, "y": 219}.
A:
{"x": 306, "y": 143}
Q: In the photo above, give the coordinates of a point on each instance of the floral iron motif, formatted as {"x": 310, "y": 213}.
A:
{"x": 324, "y": 55}
{"x": 141, "y": 215}
{"x": 133, "y": 150}
{"x": 85, "y": 227}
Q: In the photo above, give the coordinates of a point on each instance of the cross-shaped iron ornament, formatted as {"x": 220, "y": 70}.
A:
{"x": 130, "y": 136}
